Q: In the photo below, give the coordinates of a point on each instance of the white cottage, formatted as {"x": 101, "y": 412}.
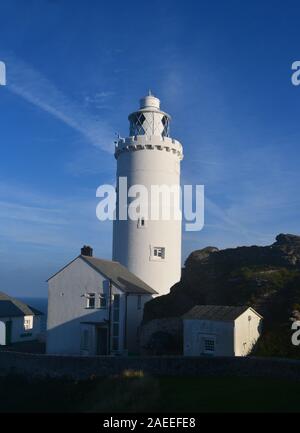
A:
{"x": 220, "y": 330}
{"x": 18, "y": 321}
{"x": 95, "y": 307}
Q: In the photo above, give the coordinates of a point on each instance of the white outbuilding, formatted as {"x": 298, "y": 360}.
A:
{"x": 18, "y": 321}
{"x": 95, "y": 307}
{"x": 220, "y": 330}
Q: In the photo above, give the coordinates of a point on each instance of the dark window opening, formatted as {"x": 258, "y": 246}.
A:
{"x": 165, "y": 122}
{"x": 136, "y": 124}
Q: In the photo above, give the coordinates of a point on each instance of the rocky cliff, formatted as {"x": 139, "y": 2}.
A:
{"x": 267, "y": 278}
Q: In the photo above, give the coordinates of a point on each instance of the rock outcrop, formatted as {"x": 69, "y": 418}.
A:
{"x": 267, "y": 278}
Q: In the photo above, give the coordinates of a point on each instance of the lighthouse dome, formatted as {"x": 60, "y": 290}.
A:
{"x": 149, "y": 119}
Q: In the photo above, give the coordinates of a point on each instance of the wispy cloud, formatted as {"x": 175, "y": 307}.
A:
{"x": 31, "y": 85}
{"x": 33, "y": 214}
{"x": 30, "y": 217}
{"x": 98, "y": 100}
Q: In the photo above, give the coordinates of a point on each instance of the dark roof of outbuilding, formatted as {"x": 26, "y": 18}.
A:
{"x": 11, "y": 307}
{"x": 216, "y": 312}
{"x": 117, "y": 273}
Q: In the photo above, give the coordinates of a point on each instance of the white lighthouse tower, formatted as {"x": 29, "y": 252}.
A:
{"x": 151, "y": 249}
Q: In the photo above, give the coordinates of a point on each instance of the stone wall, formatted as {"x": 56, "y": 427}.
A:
{"x": 36, "y": 365}
{"x": 171, "y": 326}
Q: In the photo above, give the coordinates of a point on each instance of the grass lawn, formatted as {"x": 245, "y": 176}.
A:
{"x": 136, "y": 393}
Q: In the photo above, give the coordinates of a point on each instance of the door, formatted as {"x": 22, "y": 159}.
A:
{"x": 8, "y": 326}
{"x": 101, "y": 348}
{"x": 2, "y": 334}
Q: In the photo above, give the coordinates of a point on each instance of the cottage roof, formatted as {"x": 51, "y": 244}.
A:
{"x": 117, "y": 273}
{"x": 216, "y": 312}
{"x": 11, "y": 307}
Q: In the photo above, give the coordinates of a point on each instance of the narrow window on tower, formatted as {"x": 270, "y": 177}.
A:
{"x": 141, "y": 223}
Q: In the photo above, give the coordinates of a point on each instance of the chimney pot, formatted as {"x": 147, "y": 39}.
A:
{"x": 86, "y": 250}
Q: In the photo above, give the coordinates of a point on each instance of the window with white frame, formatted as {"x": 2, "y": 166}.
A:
{"x": 28, "y": 322}
{"x": 102, "y": 300}
{"x": 116, "y": 308}
{"x": 159, "y": 253}
{"x": 90, "y": 300}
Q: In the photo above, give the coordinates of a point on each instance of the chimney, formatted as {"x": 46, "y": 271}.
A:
{"x": 86, "y": 250}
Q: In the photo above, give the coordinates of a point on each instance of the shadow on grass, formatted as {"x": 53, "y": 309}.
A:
{"x": 134, "y": 392}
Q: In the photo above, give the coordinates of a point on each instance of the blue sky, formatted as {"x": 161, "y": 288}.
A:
{"x": 76, "y": 69}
